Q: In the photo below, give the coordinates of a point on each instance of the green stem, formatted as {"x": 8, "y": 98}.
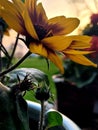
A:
{"x": 41, "y": 120}
{"x": 17, "y": 64}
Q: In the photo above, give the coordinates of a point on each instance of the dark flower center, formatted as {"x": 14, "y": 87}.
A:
{"x": 41, "y": 32}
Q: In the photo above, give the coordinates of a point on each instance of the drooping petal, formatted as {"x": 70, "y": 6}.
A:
{"x": 62, "y": 26}
{"x": 41, "y": 50}
{"x": 56, "y": 60}
{"x": 38, "y": 49}
{"x": 81, "y": 60}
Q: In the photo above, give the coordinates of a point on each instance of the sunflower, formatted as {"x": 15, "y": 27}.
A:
{"x": 46, "y": 37}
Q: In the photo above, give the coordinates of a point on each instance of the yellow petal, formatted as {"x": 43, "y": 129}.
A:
{"x": 19, "y": 5}
{"x": 12, "y": 21}
{"x": 27, "y": 21}
{"x": 76, "y": 52}
{"x": 29, "y": 25}
{"x": 30, "y": 5}
{"x": 81, "y": 60}
{"x": 11, "y": 16}
{"x": 41, "y": 15}
{"x": 80, "y": 42}
{"x": 8, "y": 6}
{"x": 38, "y": 49}
{"x": 62, "y": 26}
{"x": 58, "y": 43}
{"x": 56, "y": 60}
{"x": 80, "y": 45}
{"x": 61, "y": 43}
{"x": 41, "y": 50}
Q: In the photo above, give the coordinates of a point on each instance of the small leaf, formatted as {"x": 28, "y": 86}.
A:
{"x": 53, "y": 118}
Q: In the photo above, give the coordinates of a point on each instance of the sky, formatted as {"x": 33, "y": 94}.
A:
{"x": 71, "y": 8}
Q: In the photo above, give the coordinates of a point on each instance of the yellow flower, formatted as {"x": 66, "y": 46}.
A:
{"x": 46, "y": 36}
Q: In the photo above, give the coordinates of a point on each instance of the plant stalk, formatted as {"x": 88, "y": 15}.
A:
{"x": 17, "y": 64}
{"x": 41, "y": 120}
{"x": 13, "y": 52}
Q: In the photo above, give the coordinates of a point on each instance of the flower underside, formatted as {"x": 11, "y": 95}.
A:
{"x": 41, "y": 32}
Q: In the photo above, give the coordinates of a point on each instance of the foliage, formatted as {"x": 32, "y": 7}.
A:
{"x": 14, "y": 115}
{"x": 13, "y": 112}
{"x": 30, "y": 20}
{"x": 53, "y": 119}
{"x": 78, "y": 74}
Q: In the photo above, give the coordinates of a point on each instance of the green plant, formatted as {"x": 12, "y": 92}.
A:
{"x": 45, "y": 37}
{"x": 79, "y": 75}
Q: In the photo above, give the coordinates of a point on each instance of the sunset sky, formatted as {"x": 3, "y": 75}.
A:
{"x": 71, "y": 8}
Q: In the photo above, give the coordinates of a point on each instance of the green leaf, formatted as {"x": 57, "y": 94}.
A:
{"x": 21, "y": 106}
{"x": 53, "y": 119}
{"x": 13, "y": 111}
{"x": 37, "y": 76}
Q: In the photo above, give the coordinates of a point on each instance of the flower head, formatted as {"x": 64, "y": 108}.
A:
{"x": 94, "y": 19}
{"x": 94, "y": 47}
{"x": 46, "y": 36}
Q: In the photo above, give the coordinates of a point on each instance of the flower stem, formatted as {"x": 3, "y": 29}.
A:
{"x": 41, "y": 120}
{"x": 17, "y": 64}
{"x": 11, "y": 57}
